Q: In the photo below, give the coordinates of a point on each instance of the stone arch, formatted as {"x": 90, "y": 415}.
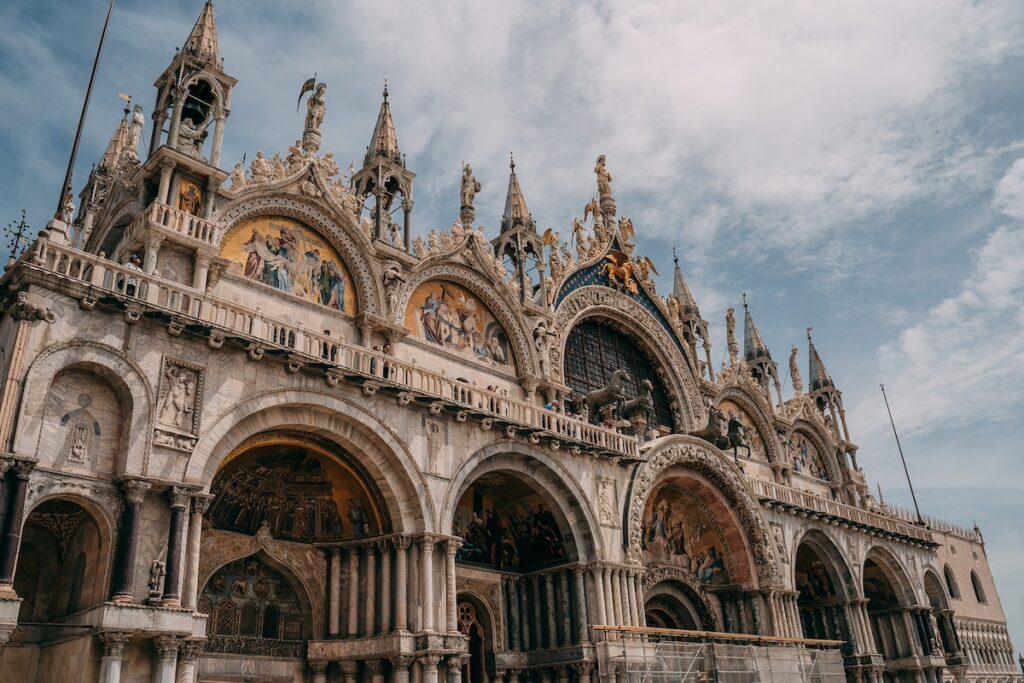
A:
{"x": 839, "y": 568}
{"x": 506, "y": 311}
{"x": 553, "y": 483}
{"x": 753, "y": 405}
{"x": 676, "y": 583}
{"x": 373, "y": 444}
{"x": 62, "y": 525}
{"x": 601, "y": 302}
{"x": 123, "y": 375}
{"x": 894, "y": 572}
{"x": 823, "y": 444}
{"x": 689, "y": 453}
{"x": 979, "y": 589}
{"x": 103, "y": 238}
{"x": 339, "y": 229}
{"x": 934, "y": 590}
{"x": 951, "y": 584}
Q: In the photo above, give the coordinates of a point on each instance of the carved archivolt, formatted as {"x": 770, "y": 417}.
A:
{"x": 506, "y": 313}
{"x": 596, "y": 301}
{"x": 825, "y": 447}
{"x": 755, "y": 408}
{"x": 686, "y": 452}
{"x": 305, "y": 562}
{"x": 338, "y": 230}
{"x": 664, "y": 573}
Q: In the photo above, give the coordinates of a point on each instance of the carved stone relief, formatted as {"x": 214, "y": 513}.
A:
{"x": 179, "y": 404}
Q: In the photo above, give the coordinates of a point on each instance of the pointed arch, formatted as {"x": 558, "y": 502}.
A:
{"x": 951, "y": 584}
{"x": 837, "y": 565}
{"x": 753, "y": 405}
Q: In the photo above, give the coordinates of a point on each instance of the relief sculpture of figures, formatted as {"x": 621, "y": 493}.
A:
{"x": 178, "y": 400}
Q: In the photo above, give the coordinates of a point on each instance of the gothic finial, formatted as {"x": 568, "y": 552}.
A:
{"x": 675, "y": 257}
{"x": 512, "y": 161}
{"x": 18, "y": 239}
{"x": 744, "y": 300}
{"x": 809, "y": 334}
{"x": 385, "y": 90}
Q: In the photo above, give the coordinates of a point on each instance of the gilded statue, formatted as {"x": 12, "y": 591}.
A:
{"x": 470, "y": 186}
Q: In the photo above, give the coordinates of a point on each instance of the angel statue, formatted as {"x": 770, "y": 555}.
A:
{"x": 645, "y": 266}
{"x": 470, "y": 186}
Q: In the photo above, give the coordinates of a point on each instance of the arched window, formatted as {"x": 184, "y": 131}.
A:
{"x": 979, "y": 592}
{"x": 271, "y": 621}
{"x": 954, "y": 590}
{"x": 224, "y": 619}
{"x": 594, "y": 351}
{"x": 250, "y": 622}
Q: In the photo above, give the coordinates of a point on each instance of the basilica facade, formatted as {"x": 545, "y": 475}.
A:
{"x": 254, "y": 430}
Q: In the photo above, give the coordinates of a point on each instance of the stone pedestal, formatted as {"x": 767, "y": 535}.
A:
{"x": 310, "y": 141}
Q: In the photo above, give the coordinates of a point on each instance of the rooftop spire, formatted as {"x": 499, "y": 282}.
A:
{"x": 681, "y": 290}
{"x": 516, "y": 213}
{"x": 118, "y": 141}
{"x": 384, "y": 142}
{"x": 817, "y": 375}
{"x": 202, "y": 41}
{"x": 753, "y": 343}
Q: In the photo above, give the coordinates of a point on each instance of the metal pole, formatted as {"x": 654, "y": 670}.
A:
{"x": 66, "y": 186}
{"x": 913, "y": 497}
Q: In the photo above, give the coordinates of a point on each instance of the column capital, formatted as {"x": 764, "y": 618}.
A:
{"x": 318, "y": 666}
{"x": 23, "y": 468}
{"x": 166, "y": 646}
{"x": 426, "y": 544}
{"x": 402, "y": 662}
{"x": 452, "y": 546}
{"x": 349, "y": 667}
{"x": 134, "y": 489}
{"x": 190, "y": 648}
{"x": 374, "y": 665}
{"x": 114, "y": 643}
{"x": 383, "y": 545}
{"x": 583, "y": 668}
{"x": 179, "y": 496}
{"x": 401, "y": 542}
{"x": 430, "y": 662}
{"x": 201, "y": 503}
{"x": 167, "y": 165}
{"x": 6, "y": 464}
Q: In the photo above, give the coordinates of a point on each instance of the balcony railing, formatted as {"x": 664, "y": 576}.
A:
{"x": 174, "y": 221}
{"x": 130, "y": 287}
{"x": 832, "y": 509}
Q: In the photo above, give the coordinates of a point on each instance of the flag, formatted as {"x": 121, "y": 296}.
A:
{"x": 308, "y": 86}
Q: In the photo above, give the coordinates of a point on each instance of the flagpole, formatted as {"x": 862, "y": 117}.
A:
{"x": 66, "y": 187}
{"x": 906, "y": 471}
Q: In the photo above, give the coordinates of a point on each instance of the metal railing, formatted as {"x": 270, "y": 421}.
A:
{"x": 808, "y": 501}
{"x": 127, "y": 285}
{"x": 652, "y": 655}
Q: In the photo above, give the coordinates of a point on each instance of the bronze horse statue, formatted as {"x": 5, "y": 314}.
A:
{"x": 716, "y": 432}
{"x": 612, "y": 393}
{"x": 643, "y": 404}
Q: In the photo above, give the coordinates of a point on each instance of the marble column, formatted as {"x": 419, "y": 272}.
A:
{"x": 401, "y": 587}
{"x": 124, "y": 570}
{"x": 318, "y": 667}
{"x": 454, "y": 666}
{"x": 376, "y": 668}
{"x": 524, "y": 614}
{"x": 564, "y": 610}
{"x": 349, "y": 669}
{"x": 371, "y": 589}
{"x": 166, "y": 659}
{"x": 400, "y": 668}
{"x": 634, "y": 614}
{"x": 17, "y": 487}
{"x": 616, "y": 593}
{"x": 334, "y": 593}
{"x": 538, "y": 624}
{"x": 511, "y": 585}
{"x": 427, "y": 593}
{"x": 353, "y": 592}
{"x": 451, "y": 547}
{"x": 188, "y": 652}
{"x": 190, "y": 594}
{"x": 549, "y": 608}
{"x": 385, "y": 586}
{"x": 113, "y": 654}
{"x": 179, "y": 498}
{"x": 429, "y": 664}
{"x": 579, "y": 577}
{"x": 628, "y": 606}
{"x": 562, "y": 674}
{"x": 595, "y": 577}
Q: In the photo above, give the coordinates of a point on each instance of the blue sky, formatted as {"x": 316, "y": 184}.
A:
{"x": 856, "y": 167}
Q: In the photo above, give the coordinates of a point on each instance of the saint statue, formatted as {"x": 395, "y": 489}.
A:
{"x": 730, "y": 328}
{"x": 604, "y": 179}
{"x": 315, "y": 107}
{"x": 794, "y": 373}
{"x": 470, "y": 186}
{"x": 67, "y": 210}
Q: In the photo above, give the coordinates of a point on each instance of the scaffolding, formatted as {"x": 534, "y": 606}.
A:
{"x": 654, "y": 655}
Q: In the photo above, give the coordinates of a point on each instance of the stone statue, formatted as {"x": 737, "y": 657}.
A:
{"x": 470, "y": 186}
{"x": 328, "y": 166}
{"x": 238, "y": 181}
{"x": 542, "y": 341}
{"x": 393, "y": 279}
{"x": 730, "y": 335}
{"x": 295, "y": 158}
{"x": 643, "y": 404}
{"x": 316, "y": 107}
{"x": 67, "y": 209}
{"x": 178, "y": 400}
{"x": 261, "y": 169}
{"x": 156, "y": 576}
{"x": 716, "y": 431}
{"x": 131, "y": 149}
{"x": 794, "y": 373}
{"x": 604, "y": 179}
{"x": 610, "y": 395}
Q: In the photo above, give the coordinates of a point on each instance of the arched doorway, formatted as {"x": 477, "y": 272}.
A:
{"x": 892, "y": 625}
{"x": 62, "y": 563}
{"x": 474, "y": 625}
{"x": 823, "y": 593}
{"x": 940, "y": 619}
{"x": 674, "y": 604}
